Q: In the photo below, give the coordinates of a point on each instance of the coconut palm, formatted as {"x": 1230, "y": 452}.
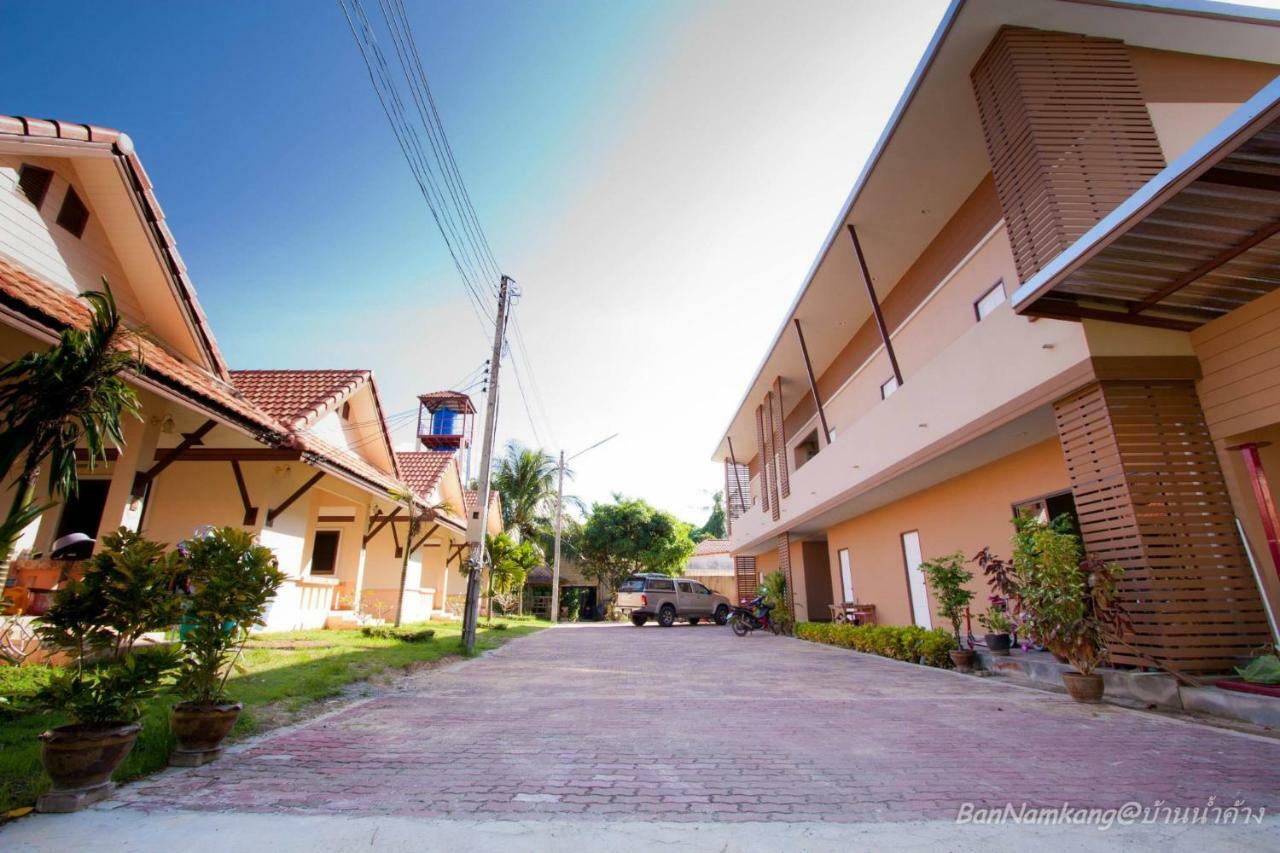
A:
{"x": 53, "y": 401}
{"x": 527, "y": 480}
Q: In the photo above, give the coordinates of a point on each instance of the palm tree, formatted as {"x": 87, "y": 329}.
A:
{"x": 526, "y": 479}
{"x": 52, "y": 401}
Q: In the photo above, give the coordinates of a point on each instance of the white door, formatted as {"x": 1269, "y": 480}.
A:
{"x": 846, "y": 576}
{"x": 915, "y": 579}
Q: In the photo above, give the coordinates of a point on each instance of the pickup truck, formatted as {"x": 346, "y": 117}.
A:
{"x": 662, "y": 597}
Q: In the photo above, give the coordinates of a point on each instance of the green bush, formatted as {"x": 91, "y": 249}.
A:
{"x": 909, "y": 643}
{"x": 405, "y": 635}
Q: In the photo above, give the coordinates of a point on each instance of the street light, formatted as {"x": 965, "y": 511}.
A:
{"x": 555, "y": 572}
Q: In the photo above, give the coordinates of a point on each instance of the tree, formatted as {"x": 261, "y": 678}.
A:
{"x": 509, "y": 564}
{"x": 53, "y": 401}
{"x": 714, "y": 528}
{"x": 526, "y": 479}
{"x": 630, "y": 536}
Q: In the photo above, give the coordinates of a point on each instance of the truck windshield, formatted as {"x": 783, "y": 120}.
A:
{"x": 632, "y": 585}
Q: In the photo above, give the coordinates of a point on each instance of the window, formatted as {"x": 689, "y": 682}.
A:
{"x": 661, "y": 585}
{"x": 34, "y": 183}
{"x": 324, "y": 552}
{"x": 1045, "y": 509}
{"x": 632, "y": 585}
{"x": 73, "y": 216}
{"x": 989, "y": 301}
{"x": 806, "y": 449}
{"x": 700, "y": 589}
{"x": 888, "y": 386}
{"x": 684, "y": 586}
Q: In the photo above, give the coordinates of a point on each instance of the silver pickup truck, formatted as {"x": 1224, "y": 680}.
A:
{"x": 656, "y": 596}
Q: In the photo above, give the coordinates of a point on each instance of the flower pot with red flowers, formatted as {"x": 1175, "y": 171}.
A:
{"x": 126, "y": 592}
{"x": 229, "y": 580}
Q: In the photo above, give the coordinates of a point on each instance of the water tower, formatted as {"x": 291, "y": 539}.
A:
{"x": 445, "y": 420}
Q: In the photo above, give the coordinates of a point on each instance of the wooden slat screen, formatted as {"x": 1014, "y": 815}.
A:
{"x": 744, "y": 571}
{"x": 771, "y": 457}
{"x": 1150, "y": 495}
{"x": 1068, "y": 134}
{"x": 737, "y": 493}
{"x": 780, "y": 439}
{"x": 762, "y": 455}
{"x": 784, "y": 565}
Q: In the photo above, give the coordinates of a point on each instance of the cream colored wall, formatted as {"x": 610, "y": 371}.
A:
{"x": 34, "y": 239}
{"x": 964, "y": 514}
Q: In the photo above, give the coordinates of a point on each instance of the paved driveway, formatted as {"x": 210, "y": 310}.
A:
{"x": 686, "y": 723}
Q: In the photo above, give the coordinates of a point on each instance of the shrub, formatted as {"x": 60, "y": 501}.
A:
{"x": 404, "y": 635}
{"x": 948, "y": 576}
{"x": 909, "y": 643}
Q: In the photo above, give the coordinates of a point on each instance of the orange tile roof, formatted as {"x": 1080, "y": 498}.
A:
{"x": 57, "y": 308}
{"x": 82, "y": 136}
{"x": 422, "y": 469}
{"x": 298, "y": 397}
{"x": 711, "y": 546}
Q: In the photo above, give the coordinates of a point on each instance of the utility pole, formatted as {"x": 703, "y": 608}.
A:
{"x": 478, "y": 524}
{"x": 555, "y": 573}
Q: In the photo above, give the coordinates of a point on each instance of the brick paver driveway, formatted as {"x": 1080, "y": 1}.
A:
{"x": 695, "y": 724}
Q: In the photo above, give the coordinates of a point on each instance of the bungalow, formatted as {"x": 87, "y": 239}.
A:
{"x": 302, "y": 458}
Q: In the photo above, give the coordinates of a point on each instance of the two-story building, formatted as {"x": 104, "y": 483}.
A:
{"x": 1051, "y": 290}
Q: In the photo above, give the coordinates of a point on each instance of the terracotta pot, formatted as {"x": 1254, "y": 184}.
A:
{"x": 963, "y": 659}
{"x": 79, "y": 756}
{"x": 1083, "y": 688}
{"x": 200, "y": 727}
{"x": 998, "y": 644}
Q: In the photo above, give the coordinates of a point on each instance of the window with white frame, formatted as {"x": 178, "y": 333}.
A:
{"x": 989, "y": 301}
{"x": 888, "y": 386}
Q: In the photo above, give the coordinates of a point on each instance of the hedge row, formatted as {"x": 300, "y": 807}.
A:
{"x": 909, "y": 643}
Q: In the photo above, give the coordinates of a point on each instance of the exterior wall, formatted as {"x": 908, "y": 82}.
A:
{"x": 963, "y": 514}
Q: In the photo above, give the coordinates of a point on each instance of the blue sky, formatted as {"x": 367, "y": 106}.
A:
{"x": 657, "y": 176}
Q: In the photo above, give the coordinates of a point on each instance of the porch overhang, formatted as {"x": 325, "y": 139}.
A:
{"x": 1197, "y": 241}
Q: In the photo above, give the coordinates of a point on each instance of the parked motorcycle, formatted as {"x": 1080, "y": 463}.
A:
{"x": 753, "y": 617}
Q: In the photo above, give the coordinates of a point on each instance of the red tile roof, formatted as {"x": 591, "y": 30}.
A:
{"x": 421, "y": 470}
{"x": 454, "y": 396}
{"x": 298, "y": 397}
{"x": 471, "y": 499}
{"x": 86, "y": 135}
{"x": 56, "y": 308}
{"x": 708, "y": 547}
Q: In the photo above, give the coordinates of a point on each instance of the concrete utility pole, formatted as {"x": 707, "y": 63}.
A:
{"x": 555, "y": 573}
{"x": 478, "y": 524}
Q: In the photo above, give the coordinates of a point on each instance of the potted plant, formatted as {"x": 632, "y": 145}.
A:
{"x": 1073, "y": 605}
{"x": 947, "y": 577}
{"x": 998, "y": 624}
{"x": 126, "y": 592}
{"x": 229, "y": 580}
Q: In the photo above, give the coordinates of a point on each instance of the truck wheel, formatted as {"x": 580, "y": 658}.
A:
{"x": 639, "y": 621}
{"x": 722, "y": 614}
{"x": 667, "y": 616}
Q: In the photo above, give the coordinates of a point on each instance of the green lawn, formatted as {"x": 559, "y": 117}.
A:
{"x": 285, "y": 673}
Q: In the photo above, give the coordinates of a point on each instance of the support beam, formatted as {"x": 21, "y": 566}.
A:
{"x": 424, "y": 538}
{"x": 237, "y": 454}
{"x": 875, "y": 304}
{"x": 1226, "y": 255}
{"x": 1262, "y": 496}
{"x": 381, "y": 522}
{"x": 109, "y": 454}
{"x": 250, "y": 511}
{"x": 455, "y": 551}
{"x": 274, "y": 513}
{"x": 189, "y": 440}
{"x": 813, "y": 383}
{"x": 1057, "y": 309}
{"x": 395, "y": 538}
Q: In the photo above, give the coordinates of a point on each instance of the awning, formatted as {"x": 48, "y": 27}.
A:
{"x": 1197, "y": 241}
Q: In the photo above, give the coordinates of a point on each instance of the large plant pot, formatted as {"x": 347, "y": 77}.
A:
{"x": 1084, "y": 688}
{"x": 200, "y": 729}
{"x": 998, "y": 644}
{"x": 963, "y": 659}
{"x": 80, "y": 760}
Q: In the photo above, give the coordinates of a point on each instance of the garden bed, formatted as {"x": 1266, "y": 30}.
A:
{"x": 285, "y": 675}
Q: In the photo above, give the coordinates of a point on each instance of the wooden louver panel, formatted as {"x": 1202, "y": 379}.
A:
{"x": 771, "y": 456}
{"x": 761, "y": 456}
{"x": 744, "y": 571}
{"x": 780, "y": 439}
{"x": 737, "y": 493}
{"x": 784, "y": 565}
{"x": 1068, "y": 134}
{"x": 1150, "y": 495}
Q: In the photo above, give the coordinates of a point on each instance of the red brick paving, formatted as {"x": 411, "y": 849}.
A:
{"x": 696, "y": 724}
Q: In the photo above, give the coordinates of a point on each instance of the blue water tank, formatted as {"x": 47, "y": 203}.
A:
{"x": 444, "y": 422}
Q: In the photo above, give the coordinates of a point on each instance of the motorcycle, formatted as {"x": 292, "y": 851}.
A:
{"x": 753, "y": 617}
